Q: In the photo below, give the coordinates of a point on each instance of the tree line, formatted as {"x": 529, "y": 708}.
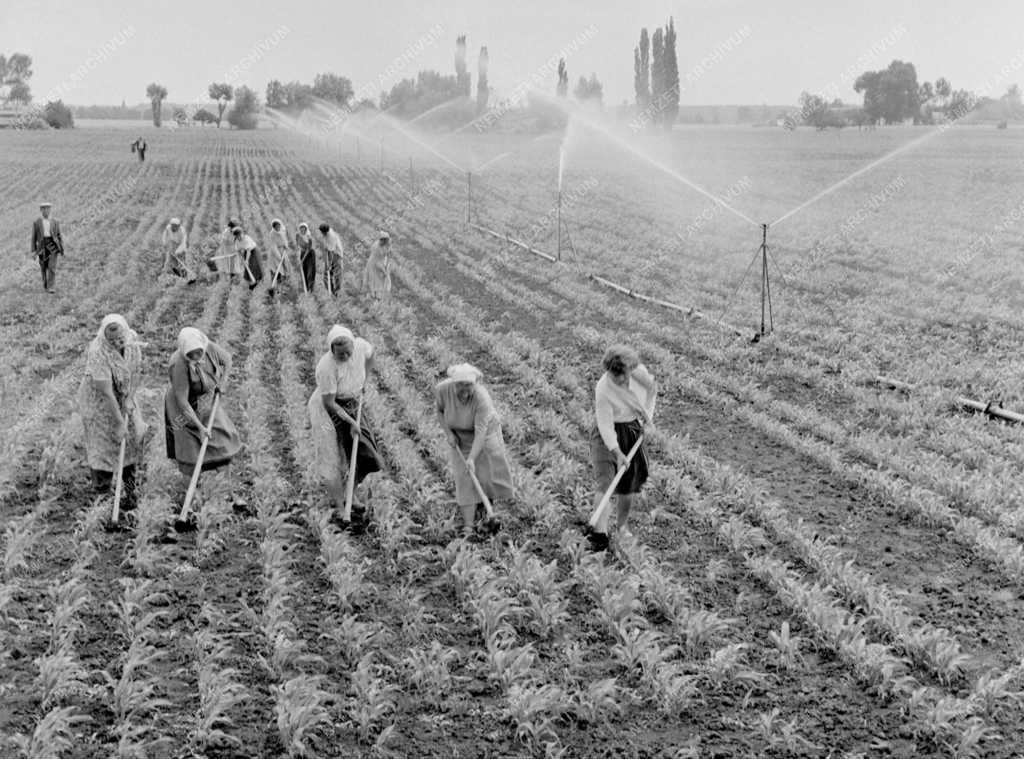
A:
{"x": 893, "y": 95}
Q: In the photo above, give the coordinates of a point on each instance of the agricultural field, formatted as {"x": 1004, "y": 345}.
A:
{"x": 822, "y": 567}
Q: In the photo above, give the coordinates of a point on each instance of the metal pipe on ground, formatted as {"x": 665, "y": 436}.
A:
{"x": 989, "y": 409}
{"x": 895, "y": 384}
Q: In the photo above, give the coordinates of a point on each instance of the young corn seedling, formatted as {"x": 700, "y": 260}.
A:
{"x": 726, "y": 665}
{"x": 787, "y": 647}
{"x": 54, "y": 736}
{"x": 373, "y": 700}
{"x": 428, "y": 670}
{"x": 220, "y": 692}
{"x": 354, "y": 637}
{"x": 533, "y": 708}
{"x": 511, "y": 663}
{"x": 70, "y": 597}
{"x": 20, "y": 538}
{"x": 302, "y": 710}
{"x": 597, "y": 699}
{"x": 640, "y": 651}
{"x": 60, "y": 675}
{"x": 995, "y": 694}
{"x": 675, "y": 691}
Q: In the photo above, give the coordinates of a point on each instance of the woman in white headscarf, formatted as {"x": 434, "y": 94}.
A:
{"x": 278, "y": 255}
{"x": 307, "y": 255}
{"x": 340, "y": 378}
{"x": 198, "y": 369}
{"x": 176, "y": 254}
{"x": 473, "y": 427}
{"x": 106, "y": 401}
{"x": 377, "y": 274}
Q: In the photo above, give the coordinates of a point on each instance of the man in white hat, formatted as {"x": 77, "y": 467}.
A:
{"x": 47, "y": 244}
{"x": 175, "y": 243}
{"x": 330, "y": 243}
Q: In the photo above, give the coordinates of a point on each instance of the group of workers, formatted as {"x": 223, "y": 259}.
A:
{"x": 198, "y": 370}
{"x": 239, "y": 256}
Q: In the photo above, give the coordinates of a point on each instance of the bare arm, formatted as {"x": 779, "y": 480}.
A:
{"x": 337, "y": 413}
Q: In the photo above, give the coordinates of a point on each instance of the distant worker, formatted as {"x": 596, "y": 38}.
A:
{"x": 139, "y": 146}
{"x": 333, "y": 250}
{"x": 47, "y": 244}
{"x": 252, "y": 263}
{"x": 279, "y": 258}
{"x": 176, "y": 255}
{"x": 106, "y": 402}
{"x": 307, "y": 256}
{"x": 229, "y": 261}
{"x": 377, "y": 275}
{"x": 623, "y": 407}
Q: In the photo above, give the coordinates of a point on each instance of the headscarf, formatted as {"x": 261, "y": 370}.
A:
{"x": 113, "y": 319}
{"x": 303, "y": 225}
{"x": 382, "y": 235}
{"x": 175, "y": 222}
{"x": 337, "y": 332}
{"x": 464, "y": 373}
{"x": 276, "y": 221}
{"x": 190, "y": 339}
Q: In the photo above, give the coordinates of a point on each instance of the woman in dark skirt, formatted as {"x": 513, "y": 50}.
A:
{"x": 307, "y": 256}
{"x": 197, "y": 370}
{"x": 333, "y": 406}
{"x": 623, "y": 406}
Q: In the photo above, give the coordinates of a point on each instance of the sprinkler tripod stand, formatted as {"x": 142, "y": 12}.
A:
{"x": 766, "y": 286}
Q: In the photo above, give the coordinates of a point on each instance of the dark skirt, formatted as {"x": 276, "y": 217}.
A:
{"x": 605, "y": 466}
{"x": 368, "y": 458}
{"x": 332, "y": 273}
{"x": 254, "y": 262}
{"x": 307, "y": 262}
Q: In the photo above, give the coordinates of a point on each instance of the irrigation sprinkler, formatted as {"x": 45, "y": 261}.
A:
{"x": 469, "y": 194}
{"x": 412, "y": 178}
{"x": 380, "y": 156}
{"x": 766, "y": 285}
{"x": 558, "y": 206}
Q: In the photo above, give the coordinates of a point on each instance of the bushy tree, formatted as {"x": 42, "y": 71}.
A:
{"x": 562, "y": 90}
{"x": 410, "y": 98}
{"x": 203, "y": 116}
{"x": 293, "y": 96}
{"x": 589, "y": 89}
{"x": 14, "y": 75}
{"x": 333, "y": 88}
{"x": 813, "y": 110}
{"x": 58, "y": 115}
{"x": 246, "y": 109}
{"x": 892, "y": 94}
{"x": 156, "y": 94}
{"x": 223, "y": 93}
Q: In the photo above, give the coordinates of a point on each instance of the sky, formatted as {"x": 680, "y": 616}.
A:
{"x": 729, "y": 51}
